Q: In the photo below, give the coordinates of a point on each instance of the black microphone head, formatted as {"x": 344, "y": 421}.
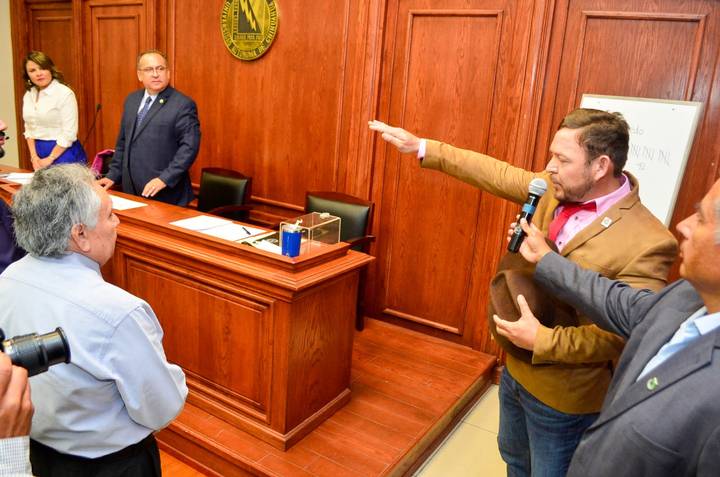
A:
{"x": 538, "y": 187}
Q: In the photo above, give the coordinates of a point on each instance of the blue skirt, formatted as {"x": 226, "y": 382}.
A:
{"x": 74, "y": 154}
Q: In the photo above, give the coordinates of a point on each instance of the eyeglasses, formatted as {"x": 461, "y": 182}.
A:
{"x": 148, "y": 70}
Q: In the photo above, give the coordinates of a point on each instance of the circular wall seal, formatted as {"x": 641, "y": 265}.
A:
{"x": 249, "y": 27}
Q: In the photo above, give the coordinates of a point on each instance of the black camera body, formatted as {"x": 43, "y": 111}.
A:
{"x": 37, "y": 353}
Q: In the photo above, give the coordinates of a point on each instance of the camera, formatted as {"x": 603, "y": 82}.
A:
{"x": 37, "y": 353}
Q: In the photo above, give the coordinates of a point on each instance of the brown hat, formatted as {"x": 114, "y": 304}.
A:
{"x": 515, "y": 277}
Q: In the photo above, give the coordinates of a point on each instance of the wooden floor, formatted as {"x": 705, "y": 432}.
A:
{"x": 408, "y": 390}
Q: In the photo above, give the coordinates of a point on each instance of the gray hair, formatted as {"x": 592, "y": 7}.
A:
{"x": 46, "y": 209}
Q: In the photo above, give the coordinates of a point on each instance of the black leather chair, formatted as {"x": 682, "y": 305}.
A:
{"x": 225, "y": 192}
{"x": 355, "y": 225}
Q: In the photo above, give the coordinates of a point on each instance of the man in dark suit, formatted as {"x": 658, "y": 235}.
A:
{"x": 661, "y": 415}
{"x": 159, "y": 137}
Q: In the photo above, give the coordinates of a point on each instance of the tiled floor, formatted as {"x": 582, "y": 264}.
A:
{"x": 471, "y": 448}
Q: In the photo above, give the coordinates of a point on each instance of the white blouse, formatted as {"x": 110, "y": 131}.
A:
{"x": 54, "y": 116}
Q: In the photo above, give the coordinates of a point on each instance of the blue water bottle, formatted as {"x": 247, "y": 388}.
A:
{"x": 290, "y": 236}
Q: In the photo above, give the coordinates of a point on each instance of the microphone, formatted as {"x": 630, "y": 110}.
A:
{"x": 536, "y": 190}
{"x": 98, "y": 107}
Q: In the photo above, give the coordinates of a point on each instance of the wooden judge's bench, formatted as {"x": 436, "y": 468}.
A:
{"x": 265, "y": 340}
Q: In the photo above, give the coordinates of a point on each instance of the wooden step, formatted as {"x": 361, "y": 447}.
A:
{"x": 408, "y": 391}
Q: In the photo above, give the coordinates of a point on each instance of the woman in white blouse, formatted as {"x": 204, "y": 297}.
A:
{"x": 50, "y": 113}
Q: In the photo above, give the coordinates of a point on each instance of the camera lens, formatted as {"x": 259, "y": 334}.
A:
{"x": 37, "y": 353}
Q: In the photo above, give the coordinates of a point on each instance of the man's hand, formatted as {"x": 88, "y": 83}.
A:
{"x": 521, "y": 333}
{"x": 398, "y": 137}
{"x": 534, "y": 246}
{"x": 105, "y": 183}
{"x": 16, "y": 408}
{"x": 153, "y": 187}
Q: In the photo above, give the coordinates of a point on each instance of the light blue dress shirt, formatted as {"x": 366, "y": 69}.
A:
{"x": 146, "y": 95}
{"x": 119, "y": 386}
{"x": 699, "y": 323}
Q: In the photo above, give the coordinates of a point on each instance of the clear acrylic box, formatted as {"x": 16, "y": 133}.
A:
{"x": 317, "y": 229}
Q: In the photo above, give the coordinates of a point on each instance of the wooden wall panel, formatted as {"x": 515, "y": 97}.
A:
{"x": 453, "y": 70}
{"x": 116, "y": 34}
{"x": 208, "y": 332}
{"x": 52, "y": 30}
{"x": 423, "y": 256}
{"x": 277, "y": 118}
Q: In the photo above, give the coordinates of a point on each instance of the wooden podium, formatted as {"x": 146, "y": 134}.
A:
{"x": 265, "y": 340}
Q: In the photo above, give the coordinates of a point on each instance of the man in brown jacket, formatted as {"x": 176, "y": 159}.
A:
{"x": 592, "y": 211}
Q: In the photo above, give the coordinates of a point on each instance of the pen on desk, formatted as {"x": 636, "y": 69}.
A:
{"x": 246, "y": 230}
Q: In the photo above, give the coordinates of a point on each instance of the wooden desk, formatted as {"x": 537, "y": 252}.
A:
{"x": 265, "y": 340}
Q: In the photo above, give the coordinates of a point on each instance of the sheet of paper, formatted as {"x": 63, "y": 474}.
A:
{"x": 121, "y": 203}
{"x": 19, "y": 177}
{"x": 201, "y": 223}
{"x": 232, "y": 232}
{"x": 267, "y": 246}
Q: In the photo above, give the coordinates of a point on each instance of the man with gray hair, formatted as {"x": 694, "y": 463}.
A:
{"x": 661, "y": 415}
{"x": 96, "y": 415}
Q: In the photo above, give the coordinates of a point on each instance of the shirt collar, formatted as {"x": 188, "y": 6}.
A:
{"x": 74, "y": 258}
{"x": 51, "y": 89}
{"x": 707, "y": 323}
{"x": 148, "y": 95}
{"x": 605, "y": 202}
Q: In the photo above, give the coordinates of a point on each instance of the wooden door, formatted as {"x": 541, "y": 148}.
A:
{"x": 452, "y": 71}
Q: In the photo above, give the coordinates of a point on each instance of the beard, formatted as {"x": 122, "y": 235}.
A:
{"x": 2, "y": 152}
{"x": 575, "y": 193}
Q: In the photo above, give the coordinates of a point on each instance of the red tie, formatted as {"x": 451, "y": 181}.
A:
{"x": 569, "y": 209}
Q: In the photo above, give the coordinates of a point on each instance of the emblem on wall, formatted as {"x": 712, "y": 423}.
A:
{"x": 249, "y": 27}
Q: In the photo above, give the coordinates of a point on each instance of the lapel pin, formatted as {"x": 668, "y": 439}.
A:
{"x": 162, "y": 100}
{"x": 606, "y": 222}
{"x": 652, "y": 383}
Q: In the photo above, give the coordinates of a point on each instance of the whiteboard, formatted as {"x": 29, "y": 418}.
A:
{"x": 661, "y": 136}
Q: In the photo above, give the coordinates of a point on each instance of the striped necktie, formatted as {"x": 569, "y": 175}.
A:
{"x": 143, "y": 112}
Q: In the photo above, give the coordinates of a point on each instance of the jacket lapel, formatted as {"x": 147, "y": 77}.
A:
{"x": 158, "y": 104}
{"x": 652, "y": 339}
{"x": 134, "y": 107}
{"x": 685, "y": 362}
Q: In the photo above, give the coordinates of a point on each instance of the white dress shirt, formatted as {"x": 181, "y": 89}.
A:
{"x": 54, "y": 116}
{"x": 119, "y": 386}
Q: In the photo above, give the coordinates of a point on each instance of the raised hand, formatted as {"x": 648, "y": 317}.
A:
{"x": 398, "y": 137}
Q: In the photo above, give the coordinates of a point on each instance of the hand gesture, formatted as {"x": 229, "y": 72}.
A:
{"x": 521, "y": 333}
{"x": 153, "y": 187}
{"x": 398, "y": 137}
{"x": 105, "y": 183}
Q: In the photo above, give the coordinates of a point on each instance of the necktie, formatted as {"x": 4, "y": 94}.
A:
{"x": 568, "y": 211}
{"x": 144, "y": 110}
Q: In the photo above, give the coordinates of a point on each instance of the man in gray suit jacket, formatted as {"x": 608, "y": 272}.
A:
{"x": 661, "y": 416}
{"x": 159, "y": 137}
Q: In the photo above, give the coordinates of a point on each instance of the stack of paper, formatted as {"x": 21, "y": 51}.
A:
{"x": 217, "y": 227}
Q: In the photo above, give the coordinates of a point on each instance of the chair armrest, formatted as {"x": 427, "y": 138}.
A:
{"x": 363, "y": 241}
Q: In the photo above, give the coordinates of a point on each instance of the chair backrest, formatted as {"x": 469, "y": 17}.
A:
{"x": 355, "y": 213}
{"x": 220, "y": 187}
